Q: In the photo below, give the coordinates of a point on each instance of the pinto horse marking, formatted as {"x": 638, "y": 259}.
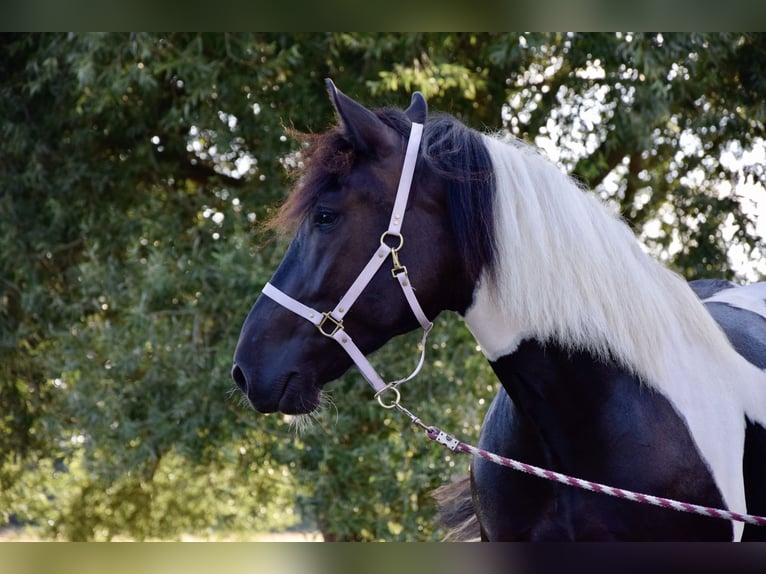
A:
{"x": 611, "y": 368}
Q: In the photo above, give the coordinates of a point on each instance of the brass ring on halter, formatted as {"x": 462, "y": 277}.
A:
{"x": 399, "y": 235}
{"x": 392, "y": 404}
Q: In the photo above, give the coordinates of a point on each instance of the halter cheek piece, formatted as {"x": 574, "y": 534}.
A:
{"x": 330, "y": 324}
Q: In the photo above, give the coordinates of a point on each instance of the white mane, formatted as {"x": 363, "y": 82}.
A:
{"x": 571, "y": 272}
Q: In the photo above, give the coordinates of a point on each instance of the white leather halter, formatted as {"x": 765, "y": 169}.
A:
{"x": 330, "y": 324}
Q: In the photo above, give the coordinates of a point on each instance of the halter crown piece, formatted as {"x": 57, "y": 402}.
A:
{"x": 330, "y": 324}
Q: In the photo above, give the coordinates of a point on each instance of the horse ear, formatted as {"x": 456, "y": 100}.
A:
{"x": 418, "y": 109}
{"x": 365, "y": 131}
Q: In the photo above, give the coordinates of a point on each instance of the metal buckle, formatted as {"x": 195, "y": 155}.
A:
{"x": 328, "y": 317}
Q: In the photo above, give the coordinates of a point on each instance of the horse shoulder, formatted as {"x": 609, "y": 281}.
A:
{"x": 511, "y": 505}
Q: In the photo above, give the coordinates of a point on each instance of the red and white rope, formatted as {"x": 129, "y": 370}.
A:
{"x": 455, "y": 445}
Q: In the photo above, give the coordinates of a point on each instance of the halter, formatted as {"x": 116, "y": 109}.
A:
{"x": 330, "y": 324}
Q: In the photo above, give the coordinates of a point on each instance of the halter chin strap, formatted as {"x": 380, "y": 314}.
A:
{"x": 330, "y": 324}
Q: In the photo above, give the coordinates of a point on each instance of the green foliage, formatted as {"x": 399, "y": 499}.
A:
{"x": 372, "y": 474}
{"x": 135, "y": 173}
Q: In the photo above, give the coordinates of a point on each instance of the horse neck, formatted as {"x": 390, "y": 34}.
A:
{"x": 571, "y": 276}
{"x": 567, "y": 395}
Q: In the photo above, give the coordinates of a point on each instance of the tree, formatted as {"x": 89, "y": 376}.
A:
{"x": 126, "y": 245}
{"x": 651, "y": 122}
{"x": 135, "y": 173}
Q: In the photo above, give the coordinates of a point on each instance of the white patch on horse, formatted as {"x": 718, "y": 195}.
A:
{"x": 572, "y": 272}
{"x": 748, "y": 297}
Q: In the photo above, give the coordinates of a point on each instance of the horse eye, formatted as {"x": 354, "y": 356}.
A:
{"x": 325, "y": 219}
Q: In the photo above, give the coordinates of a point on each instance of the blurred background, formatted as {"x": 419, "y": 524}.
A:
{"x": 136, "y": 173}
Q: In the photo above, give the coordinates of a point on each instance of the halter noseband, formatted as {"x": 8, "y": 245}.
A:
{"x": 330, "y": 324}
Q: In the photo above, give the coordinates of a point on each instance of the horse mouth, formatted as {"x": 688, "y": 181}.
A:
{"x": 295, "y": 397}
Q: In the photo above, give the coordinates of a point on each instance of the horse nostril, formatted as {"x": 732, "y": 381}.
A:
{"x": 239, "y": 378}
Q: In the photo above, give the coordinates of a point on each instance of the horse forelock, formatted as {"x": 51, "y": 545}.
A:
{"x": 450, "y": 151}
{"x": 322, "y": 159}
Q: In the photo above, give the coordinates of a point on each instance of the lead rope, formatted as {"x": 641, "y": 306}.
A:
{"x": 439, "y": 436}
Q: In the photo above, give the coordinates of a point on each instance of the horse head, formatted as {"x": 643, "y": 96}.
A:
{"x": 341, "y": 209}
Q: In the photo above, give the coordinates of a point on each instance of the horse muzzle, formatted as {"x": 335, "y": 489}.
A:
{"x": 287, "y": 393}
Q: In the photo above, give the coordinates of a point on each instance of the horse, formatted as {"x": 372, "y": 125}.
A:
{"x": 611, "y": 366}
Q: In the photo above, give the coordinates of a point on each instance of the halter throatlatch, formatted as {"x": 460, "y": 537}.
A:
{"x": 330, "y": 324}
